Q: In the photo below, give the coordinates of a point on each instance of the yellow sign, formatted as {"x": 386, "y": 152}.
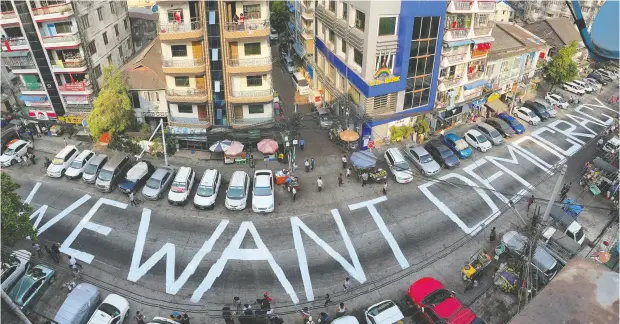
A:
{"x": 384, "y": 81}
{"x": 71, "y": 119}
{"x": 494, "y": 96}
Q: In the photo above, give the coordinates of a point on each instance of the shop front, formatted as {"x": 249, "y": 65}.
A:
{"x": 189, "y": 138}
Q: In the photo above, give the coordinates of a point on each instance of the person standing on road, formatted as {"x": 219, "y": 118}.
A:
{"x": 312, "y": 164}
{"x": 600, "y": 143}
{"x": 56, "y": 251}
{"x": 530, "y": 201}
{"x": 493, "y": 235}
{"x": 340, "y": 180}
{"x": 364, "y": 178}
{"x": 185, "y": 319}
{"x": 341, "y": 310}
{"x": 319, "y": 183}
{"x": 139, "y": 318}
{"x": 73, "y": 264}
{"x": 307, "y": 164}
{"x": 327, "y": 300}
{"x": 385, "y": 188}
{"x": 30, "y": 135}
{"x": 37, "y": 248}
{"x": 301, "y": 144}
{"x": 294, "y": 193}
{"x": 132, "y": 199}
{"x": 344, "y": 161}
{"x": 348, "y": 172}
{"x": 347, "y": 284}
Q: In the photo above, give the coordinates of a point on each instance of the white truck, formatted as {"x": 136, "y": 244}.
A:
{"x": 559, "y": 245}
{"x": 612, "y": 145}
{"x": 568, "y": 224}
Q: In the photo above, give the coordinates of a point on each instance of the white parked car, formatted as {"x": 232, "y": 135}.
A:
{"x": 593, "y": 83}
{"x": 263, "y": 197}
{"x": 113, "y": 310}
{"x": 62, "y": 161}
{"x": 527, "y": 115}
{"x": 556, "y": 99}
{"x": 477, "y": 140}
{"x": 398, "y": 165}
{"x": 586, "y": 87}
{"x": 14, "y": 267}
{"x": 15, "y": 152}
{"x": 385, "y": 312}
{"x": 181, "y": 186}
{"x": 237, "y": 192}
{"x": 573, "y": 88}
{"x": 274, "y": 35}
{"x": 79, "y": 164}
{"x": 207, "y": 190}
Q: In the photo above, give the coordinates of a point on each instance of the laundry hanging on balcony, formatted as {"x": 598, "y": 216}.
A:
{"x": 7, "y": 45}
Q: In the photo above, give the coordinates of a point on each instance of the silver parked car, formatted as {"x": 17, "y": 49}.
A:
{"x": 158, "y": 183}
{"x": 517, "y": 245}
{"x": 422, "y": 159}
{"x": 490, "y": 133}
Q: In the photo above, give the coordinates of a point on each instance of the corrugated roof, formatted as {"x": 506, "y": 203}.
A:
{"x": 565, "y": 29}
{"x": 557, "y": 32}
{"x": 512, "y": 40}
{"x": 144, "y": 71}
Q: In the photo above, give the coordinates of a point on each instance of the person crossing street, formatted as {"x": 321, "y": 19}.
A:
{"x": 307, "y": 165}
{"x": 344, "y": 161}
{"x": 132, "y": 199}
{"x": 319, "y": 183}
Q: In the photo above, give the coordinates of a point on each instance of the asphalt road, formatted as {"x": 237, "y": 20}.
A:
{"x": 407, "y": 230}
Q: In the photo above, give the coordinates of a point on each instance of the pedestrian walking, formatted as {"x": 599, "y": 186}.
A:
{"x": 312, "y": 164}
{"x": 493, "y": 235}
{"x": 364, "y": 178}
{"x": 327, "y": 300}
{"x": 600, "y": 143}
{"x": 294, "y": 168}
{"x": 348, "y": 172}
{"x": 301, "y": 144}
{"x": 347, "y": 284}
{"x": 385, "y": 188}
{"x": 341, "y": 310}
{"x": 294, "y": 193}
{"x": 73, "y": 263}
{"x": 56, "y": 250}
{"x": 139, "y": 318}
{"x": 340, "y": 180}
{"x": 37, "y": 248}
{"x": 323, "y": 318}
{"x": 52, "y": 253}
{"x": 29, "y": 132}
{"x": 310, "y": 321}
{"x": 319, "y": 183}
{"x": 132, "y": 199}
{"x": 185, "y": 319}
{"x": 236, "y": 303}
{"x": 530, "y": 201}
{"x": 307, "y": 164}
{"x": 30, "y": 157}
{"x": 344, "y": 161}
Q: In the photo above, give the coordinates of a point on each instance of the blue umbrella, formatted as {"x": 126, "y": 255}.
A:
{"x": 220, "y": 146}
{"x": 363, "y": 159}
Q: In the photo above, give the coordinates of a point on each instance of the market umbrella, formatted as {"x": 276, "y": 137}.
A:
{"x": 363, "y": 159}
{"x": 235, "y": 148}
{"x": 220, "y": 146}
{"x": 349, "y": 136}
{"x": 267, "y": 146}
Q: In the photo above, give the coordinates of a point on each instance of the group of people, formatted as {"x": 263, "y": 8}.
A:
{"x": 246, "y": 313}
{"x": 175, "y": 316}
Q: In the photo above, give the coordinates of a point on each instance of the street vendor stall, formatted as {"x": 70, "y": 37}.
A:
{"x": 235, "y": 154}
{"x": 366, "y": 162}
{"x": 269, "y": 148}
{"x": 473, "y": 269}
{"x": 56, "y": 130}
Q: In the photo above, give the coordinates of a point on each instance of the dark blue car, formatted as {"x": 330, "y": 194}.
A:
{"x": 457, "y": 145}
{"x": 513, "y": 122}
{"x": 442, "y": 154}
{"x": 136, "y": 177}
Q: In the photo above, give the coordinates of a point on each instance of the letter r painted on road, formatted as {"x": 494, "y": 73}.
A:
{"x": 85, "y": 223}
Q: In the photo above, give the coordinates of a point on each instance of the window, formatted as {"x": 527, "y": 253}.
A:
{"x": 97, "y": 72}
{"x": 135, "y": 99}
{"x": 254, "y": 80}
{"x": 252, "y": 11}
{"x": 360, "y": 20}
{"x": 175, "y": 15}
{"x": 344, "y": 46}
{"x": 116, "y": 29}
{"x": 110, "y": 59}
{"x": 181, "y": 81}
{"x": 92, "y": 48}
{"x": 422, "y": 62}
{"x": 63, "y": 27}
{"x": 387, "y": 26}
{"x": 129, "y": 44}
{"x": 345, "y": 11}
{"x": 251, "y": 48}
{"x": 185, "y": 109}
{"x": 179, "y": 50}
{"x": 105, "y": 38}
{"x": 125, "y": 23}
{"x": 358, "y": 57}
{"x": 112, "y": 7}
{"x": 100, "y": 13}
{"x": 256, "y": 109}
{"x": 332, "y": 6}
{"x": 332, "y": 36}
{"x": 120, "y": 52}
{"x": 84, "y": 21}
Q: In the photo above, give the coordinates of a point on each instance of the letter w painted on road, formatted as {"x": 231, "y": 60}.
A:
{"x": 356, "y": 271}
{"x": 136, "y": 271}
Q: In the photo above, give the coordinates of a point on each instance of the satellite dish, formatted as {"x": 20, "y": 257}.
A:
{"x": 604, "y": 31}
{"x": 154, "y": 8}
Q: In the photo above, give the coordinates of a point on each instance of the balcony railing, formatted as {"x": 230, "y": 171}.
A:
{"x": 253, "y": 93}
{"x": 456, "y": 58}
{"x": 189, "y": 120}
{"x": 58, "y": 8}
{"x": 15, "y": 41}
{"x": 250, "y": 62}
{"x": 462, "y": 5}
{"x": 186, "y": 92}
{"x": 254, "y": 24}
{"x": 448, "y": 83}
{"x": 8, "y": 15}
{"x": 482, "y": 31}
{"x": 76, "y": 86}
{"x": 179, "y": 27}
{"x": 61, "y": 38}
{"x": 31, "y": 87}
{"x": 181, "y": 63}
{"x": 69, "y": 64}
{"x": 486, "y": 5}
{"x": 17, "y": 63}
{"x": 472, "y": 95}
{"x": 475, "y": 75}
{"x": 459, "y": 33}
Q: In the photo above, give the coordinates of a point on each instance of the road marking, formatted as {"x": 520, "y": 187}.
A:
{"x": 107, "y": 265}
{"x": 32, "y": 193}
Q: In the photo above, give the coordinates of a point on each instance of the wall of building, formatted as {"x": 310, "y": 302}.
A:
{"x": 174, "y": 111}
{"x": 148, "y": 102}
{"x": 267, "y": 111}
{"x": 170, "y": 82}
{"x": 503, "y": 12}
{"x": 166, "y": 50}
{"x": 265, "y": 49}
{"x": 239, "y": 83}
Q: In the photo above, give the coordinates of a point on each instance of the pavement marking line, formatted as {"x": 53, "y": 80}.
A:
{"x": 569, "y": 132}
{"x": 575, "y": 147}
{"x": 518, "y": 142}
{"x": 495, "y": 176}
{"x": 583, "y": 122}
{"x": 356, "y": 271}
{"x": 32, "y": 193}
{"x": 107, "y": 265}
{"x": 39, "y": 213}
{"x": 370, "y": 204}
{"x": 602, "y": 123}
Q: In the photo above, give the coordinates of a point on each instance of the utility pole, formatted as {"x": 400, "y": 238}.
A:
{"x": 14, "y": 308}
{"x": 554, "y": 194}
{"x": 531, "y": 274}
{"x": 163, "y": 139}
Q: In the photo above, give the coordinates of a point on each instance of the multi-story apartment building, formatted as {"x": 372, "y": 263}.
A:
{"x": 143, "y": 23}
{"x": 375, "y": 61}
{"x": 217, "y": 61}
{"x": 59, "y": 48}
{"x": 302, "y": 28}
{"x": 467, "y": 41}
{"x": 503, "y": 12}
{"x": 534, "y": 10}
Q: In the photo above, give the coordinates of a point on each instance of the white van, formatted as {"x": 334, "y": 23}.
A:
{"x": 573, "y": 88}
{"x": 78, "y": 165}
{"x": 207, "y": 189}
{"x": 181, "y": 186}
{"x": 237, "y": 192}
{"x": 62, "y": 161}
{"x": 583, "y": 85}
{"x": 612, "y": 145}
{"x": 288, "y": 64}
{"x": 300, "y": 83}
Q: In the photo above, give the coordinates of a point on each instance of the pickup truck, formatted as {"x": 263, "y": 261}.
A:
{"x": 568, "y": 223}
{"x": 559, "y": 245}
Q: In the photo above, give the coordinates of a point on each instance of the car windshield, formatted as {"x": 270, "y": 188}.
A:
{"x": 494, "y": 133}
{"x": 9, "y": 152}
{"x": 90, "y": 169}
{"x": 380, "y": 308}
{"x": 204, "y": 191}
{"x": 436, "y": 297}
{"x": 76, "y": 164}
{"x": 481, "y": 139}
{"x": 559, "y": 99}
{"x": 445, "y": 153}
{"x": 401, "y": 166}
{"x": 262, "y": 191}
{"x": 105, "y": 175}
{"x": 152, "y": 183}
{"x": 58, "y": 161}
{"x": 426, "y": 158}
{"x": 235, "y": 193}
{"x": 109, "y": 309}
{"x": 531, "y": 114}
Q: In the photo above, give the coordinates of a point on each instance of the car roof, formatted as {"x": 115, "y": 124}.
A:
{"x": 474, "y": 132}
{"x": 485, "y": 126}
{"x": 159, "y": 173}
{"x": 65, "y": 151}
{"x": 420, "y": 150}
{"x": 452, "y": 136}
{"x": 262, "y": 180}
{"x": 183, "y": 172}
{"x": 396, "y": 153}
{"x": 17, "y": 143}
{"x": 525, "y": 108}
{"x": 424, "y": 287}
{"x": 237, "y": 179}
{"x": 116, "y": 300}
{"x": 98, "y": 159}
{"x": 208, "y": 177}
{"x": 83, "y": 154}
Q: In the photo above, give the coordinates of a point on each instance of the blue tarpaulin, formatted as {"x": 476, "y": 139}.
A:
{"x": 460, "y": 42}
{"x": 363, "y": 159}
{"x": 299, "y": 49}
{"x": 474, "y": 84}
{"x": 291, "y": 8}
{"x": 33, "y": 98}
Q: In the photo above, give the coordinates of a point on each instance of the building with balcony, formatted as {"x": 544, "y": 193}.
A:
{"x": 467, "y": 41}
{"x": 503, "y": 12}
{"x": 301, "y": 29}
{"x": 535, "y": 10}
{"x": 375, "y": 62}
{"x": 58, "y": 49}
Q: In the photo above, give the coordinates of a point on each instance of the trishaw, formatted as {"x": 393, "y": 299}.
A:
{"x": 473, "y": 269}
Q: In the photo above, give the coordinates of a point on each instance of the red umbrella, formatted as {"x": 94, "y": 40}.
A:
{"x": 267, "y": 146}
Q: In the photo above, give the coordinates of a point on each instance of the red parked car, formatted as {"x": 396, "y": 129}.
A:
{"x": 439, "y": 305}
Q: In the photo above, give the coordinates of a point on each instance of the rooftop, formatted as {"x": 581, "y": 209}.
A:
{"x": 512, "y": 40}
{"x": 557, "y": 32}
{"x": 143, "y": 13}
{"x": 144, "y": 70}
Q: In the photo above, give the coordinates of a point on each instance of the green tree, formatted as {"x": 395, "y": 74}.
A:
{"x": 112, "y": 111}
{"x": 280, "y": 15}
{"x": 562, "y": 68}
{"x": 15, "y": 215}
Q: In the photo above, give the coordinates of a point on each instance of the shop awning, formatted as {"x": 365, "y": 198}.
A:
{"x": 474, "y": 84}
{"x": 299, "y": 49}
{"x": 291, "y": 8}
{"x": 603, "y": 165}
{"x": 460, "y": 43}
{"x": 497, "y": 106}
{"x": 482, "y": 40}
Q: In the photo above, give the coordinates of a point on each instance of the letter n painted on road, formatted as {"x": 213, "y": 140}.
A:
{"x": 234, "y": 252}
{"x": 173, "y": 285}
{"x": 356, "y": 271}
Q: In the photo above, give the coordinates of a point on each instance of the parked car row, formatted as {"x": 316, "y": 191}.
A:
{"x": 595, "y": 81}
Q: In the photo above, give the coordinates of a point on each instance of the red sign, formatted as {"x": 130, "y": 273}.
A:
{"x": 74, "y": 87}
{"x": 371, "y": 144}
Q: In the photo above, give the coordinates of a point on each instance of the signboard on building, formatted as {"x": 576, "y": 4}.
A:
{"x": 383, "y": 74}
